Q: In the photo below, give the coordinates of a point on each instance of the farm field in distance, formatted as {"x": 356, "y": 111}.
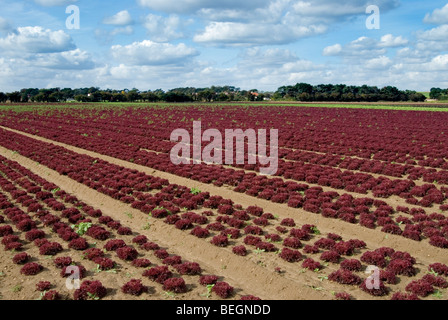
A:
{"x": 92, "y": 186}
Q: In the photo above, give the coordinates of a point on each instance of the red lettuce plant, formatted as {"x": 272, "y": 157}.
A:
{"x": 69, "y": 270}
{"x": 200, "y": 232}
{"x": 334, "y": 237}
{"x": 222, "y": 289}
{"x": 240, "y": 251}
{"x": 253, "y": 230}
{"x": 6, "y": 230}
{"x": 344, "y": 277}
{"x": 325, "y": 243}
{"x": 114, "y": 245}
{"x": 420, "y": 288}
{"x": 79, "y": 244}
{"x": 388, "y": 277}
{"x": 34, "y": 234}
{"x": 311, "y": 264}
{"x": 141, "y": 263}
{"x": 381, "y": 291}
{"x": 439, "y": 268}
{"x": 208, "y": 280}
{"x": 231, "y": 233}
{"x": 311, "y": 249}
{"x": 141, "y": 239}
{"x": 51, "y": 296}
{"x": 43, "y": 286}
{"x": 374, "y": 258}
{"x": 98, "y": 233}
{"x": 21, "y": 258}
{"x": 9, "y": 239}
{"x": 188, "y": 268}
{"x": 292, "y": 243}
{"x": 266, "y": 246}
{"x": 176, "y": 285}
{"x": 351, "y": 265}
{"x": 172, "y": 261}
{"x": 104, "y": 263}
{"x": 90, "y": 289}
{"x": 343, "y": 296}
{"x": 291, "y": 255}
{"x": 404, "y": 296}
{"x": 300, "y": 234}
{"x": 439, "y": 241}
{"x": 401, "y": 267}
{"x": 31, "y": 269}
{"x": 150, "y": 246}
{"x": 330, "y": 256}
{"x": 217, "y": 226}
{"x": 134, "y": 287}
{"x": 220, "y": 241}
{"x": 288, "y": 222}
{"x": 62, "y": 262}
{"x": 435, "y": 281}
{"x": 50, "y": 249}
{"x": 158, "y": 274}
{"x": 127, "y": 253}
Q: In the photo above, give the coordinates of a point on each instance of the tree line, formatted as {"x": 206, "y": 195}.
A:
{"x": 438, "y": 94}
{"x": 95, "y": 94}
{"x": 299, "y": 92}
{"x": 345, "y": 93}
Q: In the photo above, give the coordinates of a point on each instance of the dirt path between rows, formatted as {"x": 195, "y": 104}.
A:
{"x": 239, "y": 271}
{"x": 373, "y": 238}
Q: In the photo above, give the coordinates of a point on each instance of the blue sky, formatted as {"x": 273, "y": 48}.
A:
{"x": 263, "y": 44}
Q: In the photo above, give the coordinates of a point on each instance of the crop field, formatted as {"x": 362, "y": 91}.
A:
{"x": 89, "y": 192}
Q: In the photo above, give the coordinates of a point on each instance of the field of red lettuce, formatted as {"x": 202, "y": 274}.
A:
{"x": 374, "y": 183}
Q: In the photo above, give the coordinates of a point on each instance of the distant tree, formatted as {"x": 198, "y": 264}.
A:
{"x": 223, "y": 97}
{"x": 435, "y": 93}
{"x": 93, "y": 89}
{"x": 133, "y": 96}
{"x": 304, "y": 96}
{"x": 207, "y": 95}
{"x": 40, "y": 97}
{"x": 14, "y": 97}
{"x": 3, "y": 97}
{"x": 82, "y": 98}
{"x": 55, "y": 97}
{"x": 28, "y": 94}
{"x": 106, "y": 96}
{"x": 67, "y": 93}
{"x": 304, "y": 88}
{"x": 417, "y": 97}
{"x": 150, "y": 97}
{"x": 348, "y": 97}
{"x": 118, "y": 97}
{"x": 390, "y": 93}
{"x": 177, "y": 97}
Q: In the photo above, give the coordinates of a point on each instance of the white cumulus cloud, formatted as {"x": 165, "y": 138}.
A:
{"x": 382, "y": 62}
{"x": 333, "y": 50}
{"x": 122, "y": 18}
{"x": 36, "y": 40}
{"x": 242, "y": 34}
{"x": 438, "y": 16}
{"x": 163, "y": 29}
{"x": 152, "y": 53}
{"x": 389, "y": 41}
